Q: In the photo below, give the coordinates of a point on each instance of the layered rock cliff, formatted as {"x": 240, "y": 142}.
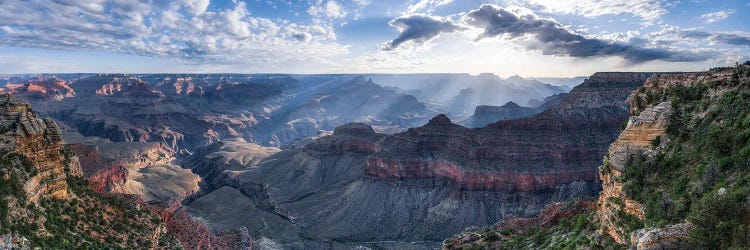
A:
{"x": 46, "y": 204}
{"x": 675, "y": 178}
{"x": 558, "y": 146}
{"x": 42, "y": 88}
{"x": 636, "y": 139}
{"x": 649, "y": 143}
{"x": 38, "y": 140}
{"x": 144, "y": 169}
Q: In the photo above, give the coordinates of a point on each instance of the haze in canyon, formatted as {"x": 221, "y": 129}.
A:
{"x": 358, "y": 124}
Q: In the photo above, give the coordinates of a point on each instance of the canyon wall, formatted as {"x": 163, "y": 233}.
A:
{"x": 39, "y": 141}
{"x": 645, "y": 131}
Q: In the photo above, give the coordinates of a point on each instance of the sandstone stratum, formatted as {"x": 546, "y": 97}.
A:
{"x": 39, "y": 141}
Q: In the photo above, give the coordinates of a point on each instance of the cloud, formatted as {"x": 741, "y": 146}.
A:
{"x": 717, "y": 16}
{"x": 675, "y": 34}
{"x": 361, "y": 3}
{"x": 419, "y": 28}
{"x": 552, "y": 38}
{"x": 184, "y": 30}
{"x": 648, "y": 10}
{"x": 529, "y": 30}
{"x": 426, "y": 5}
{"x": 330, "y": 9}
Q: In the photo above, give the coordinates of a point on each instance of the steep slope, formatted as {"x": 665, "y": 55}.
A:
{"x": 45, "y": 203}
{"x": 676, "y": 177}
{"x": 36, "y": 140}
{"x": 678, "y": 173}
{"x": 427, "y": 183}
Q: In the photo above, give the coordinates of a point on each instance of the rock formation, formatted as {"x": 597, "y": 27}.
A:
{"x": 634, "y": 140}
{"x": 44, "y": 202}
{"x": 41, "y": 88}
{"x": 143, "y": 169}
{"x": 39, "y": 140}
{"x": 648, "y": 123}
{"x": 484, "y": 114}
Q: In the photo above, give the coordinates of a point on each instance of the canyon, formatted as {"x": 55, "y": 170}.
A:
{"x": 417, "y": 187}
{"x": 318, "y": 161}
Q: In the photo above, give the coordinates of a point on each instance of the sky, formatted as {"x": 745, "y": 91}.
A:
{"x": 542, "y": 38}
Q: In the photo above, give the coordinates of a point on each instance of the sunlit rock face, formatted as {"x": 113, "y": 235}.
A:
{"x": 143, "y": 169}
{"x": 645, "y": 125}
{"x": 423, "y": 185}
{"x": 40, "y": 88}
{"x": 39, "y": 140}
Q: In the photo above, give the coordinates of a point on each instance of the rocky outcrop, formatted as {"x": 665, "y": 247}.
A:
{"x": 668, "y": 237}
{"x": 549, "y": 217}
{"x": 635, "y": 140}
{"x": 647, "y": 124}
{"x": 39, "y": 140}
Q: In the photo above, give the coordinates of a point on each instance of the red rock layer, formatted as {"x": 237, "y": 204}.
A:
{"x": 559, "y": 146}
{"x": 550, "y": 216}
{"x": 41, "y": 88}
{"x": 506, "y": 181}
{"x": 194, "y": 235}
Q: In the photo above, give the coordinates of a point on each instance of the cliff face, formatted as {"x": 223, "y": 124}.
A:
{"x": 39, "y": 141}
{"x": 427, "y": 183}
{"x": 675, "y": 178}
{"x": 143, "y": 169}
{"x": 646, "y": 129}
{"x": 44, "y": 202}
{"x": 561, "y": 145}
{"x": 636, "y": 139}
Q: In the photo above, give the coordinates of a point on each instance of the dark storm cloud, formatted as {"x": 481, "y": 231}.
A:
{"x": 725, "y": 38}
{"x": 419, "y": 28}
{"x": 554, "y": 39}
